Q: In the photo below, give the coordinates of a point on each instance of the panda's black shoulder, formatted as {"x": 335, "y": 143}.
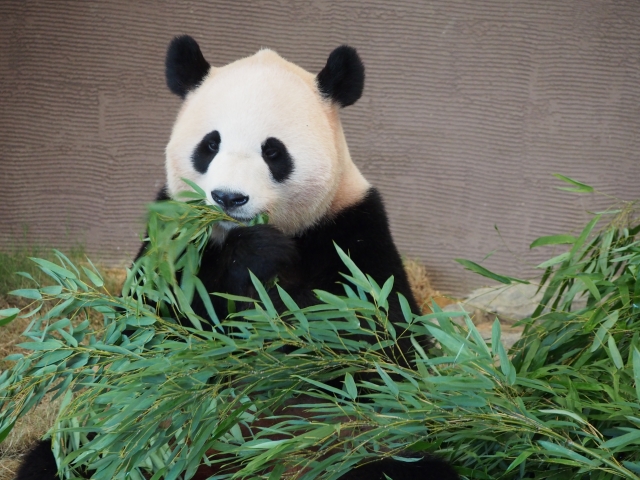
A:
{"x": 354, "y": 224}
{"x": 362, "y": 231}
{"x": 368, "y": 215}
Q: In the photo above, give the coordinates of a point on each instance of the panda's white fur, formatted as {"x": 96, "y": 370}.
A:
{"x": 248, "y": 101}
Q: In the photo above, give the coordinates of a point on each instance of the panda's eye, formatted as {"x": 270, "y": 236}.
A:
{"x": 277, "y": 158}
{"x": 205, "y": 151}
{"x": 271, "y": 153}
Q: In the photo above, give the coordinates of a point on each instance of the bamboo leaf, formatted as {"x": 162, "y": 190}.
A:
{"x": 584, "y": 235}
{"x": 65, "y": 261}
{"x": 37, "y": 346}
{"x": 495, "y": 336}
{"x": 565, "y": 452}
{"x": 577, "y": 186}
{"x": 614, "y": 353}
{"x": 93, "y": 277}
{"x": 195, "y": 187}
{"x": 57, "y": 269}
{"x": 454, "y": 346}
{"x": 623, "y": 440}
{"x": 636, "y": 370}
{"x": 6, "y": 430}
{"x": 350, "y": 385}
{"x": 506, "y": 366}
{"x": 603, "y": 331}
{"x": 31, "y": 293}
{"x": 9, "y": 315}
{"x": 52, "y": 290}
{"x": 54, "y": 357}
{"x": 603, "y": 254}
{"x": 353, "y": 269}
{"x": 519, "y": 459}
{"x": 393, "y": 388}
{"x": 406, "y": 308}
{"x": 591, "y": 286}
{"x": 384, "y": 293}
{"x": 553, "y": 240}
{"x": 480, "y": 270}
{"x": 567, "y": 413}
{"x": 206, "y": 300}
{"x": 322, "y": 386}
{"x": 555, "y": 260}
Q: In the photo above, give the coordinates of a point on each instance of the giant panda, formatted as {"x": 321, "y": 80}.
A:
{"x": 262, "y": 135}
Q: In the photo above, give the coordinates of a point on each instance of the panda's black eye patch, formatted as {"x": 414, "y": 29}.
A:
{"x": 277, "y": 158}
{"x": 205, "y": 151}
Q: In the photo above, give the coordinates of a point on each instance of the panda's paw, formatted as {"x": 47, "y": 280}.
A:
{"x": 261, "y": 249}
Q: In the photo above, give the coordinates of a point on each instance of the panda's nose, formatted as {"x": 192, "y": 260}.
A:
{"x": 229, "y": 200}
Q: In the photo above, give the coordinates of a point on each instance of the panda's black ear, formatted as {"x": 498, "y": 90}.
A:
{"x": 185, "y": 66}
{"x": 342, "y": 78}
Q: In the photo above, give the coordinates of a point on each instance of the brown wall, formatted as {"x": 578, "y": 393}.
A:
{"x": 469, "y": 107}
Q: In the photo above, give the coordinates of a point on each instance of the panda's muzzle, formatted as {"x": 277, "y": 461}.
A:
{"x": 229, "y": 200}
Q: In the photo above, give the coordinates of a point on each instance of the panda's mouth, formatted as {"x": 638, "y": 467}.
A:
{"x": 241, "y": 220}
{"x": 236, "y": 218}
{"x": 227, "y": 225}
{"x": 223, "y": 227}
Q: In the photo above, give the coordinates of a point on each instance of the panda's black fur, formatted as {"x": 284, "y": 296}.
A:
{"x": 185, "y": 65}
{"x": 303, "y": 261}
{"x": 342, "y": 78}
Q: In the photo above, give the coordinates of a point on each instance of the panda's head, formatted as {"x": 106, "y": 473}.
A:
{"x": 262, "y": 135}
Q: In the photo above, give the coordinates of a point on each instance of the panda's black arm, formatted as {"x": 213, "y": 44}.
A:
{"x": 261, "y": 249}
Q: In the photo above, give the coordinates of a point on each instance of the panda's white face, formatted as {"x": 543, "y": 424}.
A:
{"x": 257, "y": 137}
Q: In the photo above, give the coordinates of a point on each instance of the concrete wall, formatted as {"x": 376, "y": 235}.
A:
{"x": 469, "y": 106}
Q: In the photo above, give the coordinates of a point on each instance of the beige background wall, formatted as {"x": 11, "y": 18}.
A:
{"x": 469, "y": 106}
